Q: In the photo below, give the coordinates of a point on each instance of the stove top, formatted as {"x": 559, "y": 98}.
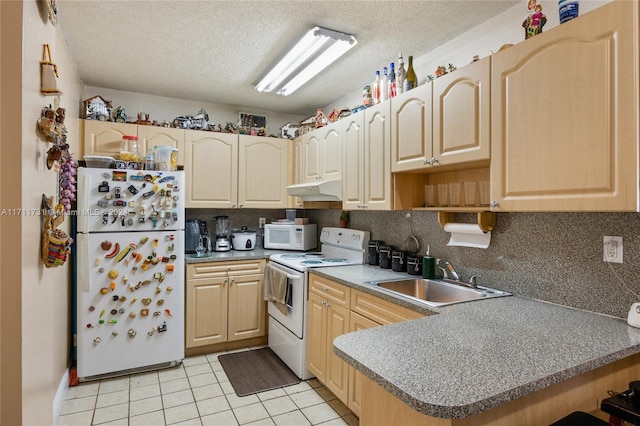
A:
{"x": 340, "y": 247}
{"x": 310, "y": 260}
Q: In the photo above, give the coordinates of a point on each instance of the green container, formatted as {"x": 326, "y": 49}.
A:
{"x": 428, "y": 267}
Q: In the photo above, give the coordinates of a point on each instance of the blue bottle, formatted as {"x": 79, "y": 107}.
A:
{"x": 568, "y": 10}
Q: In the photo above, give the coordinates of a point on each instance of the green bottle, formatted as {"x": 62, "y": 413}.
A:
{"x": 428, "y": 266}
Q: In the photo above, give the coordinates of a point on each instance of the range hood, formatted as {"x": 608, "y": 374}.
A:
{"x": 329, "y": 190}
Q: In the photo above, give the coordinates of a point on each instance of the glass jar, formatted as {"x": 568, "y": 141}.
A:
{"x": 149, "y": 161}
{"x": 174, "y": 159}
{"x": 129, "y": 149}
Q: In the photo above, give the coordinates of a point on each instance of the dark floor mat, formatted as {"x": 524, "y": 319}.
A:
{"x": 256, "y": 371}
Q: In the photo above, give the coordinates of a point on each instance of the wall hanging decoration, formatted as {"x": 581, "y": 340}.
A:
{"x": 56, "y": 244}
{"x": 51, "y": 127}
{"x": 48, "y": 73}
{"x": 67, "y": 180}
{"x": 51, "y": 124}
{"x": 52, "y": 10}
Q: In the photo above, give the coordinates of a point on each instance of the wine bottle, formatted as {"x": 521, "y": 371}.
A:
{"x": 384, "y": 85}
{"x": 376, "y": 89}
{"x": 400, "y": 75}
{"x": 392, "y": 81}
{"x": 410, "y": 80}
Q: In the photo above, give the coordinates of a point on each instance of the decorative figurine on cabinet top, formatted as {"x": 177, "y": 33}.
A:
{"x": 119, "y": 114}
{"x": 289, "y": 131}
{"x": 535, "y": 19}
{"x": 440, "y": 71}
{"x": 97, "y": 108}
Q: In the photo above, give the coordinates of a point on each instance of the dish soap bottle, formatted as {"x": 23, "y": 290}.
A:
{"x": 428, "y": 266}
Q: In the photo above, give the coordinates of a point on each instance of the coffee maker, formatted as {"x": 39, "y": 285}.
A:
{"x": 222, "y": 242}
{"x": 196, "y": 232}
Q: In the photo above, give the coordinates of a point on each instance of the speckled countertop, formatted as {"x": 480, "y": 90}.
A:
{"x": 221, "y": 256}
{"x": 472, "y": 357}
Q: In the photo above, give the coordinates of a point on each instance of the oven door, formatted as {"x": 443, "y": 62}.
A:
{"x": 296, "y": 293}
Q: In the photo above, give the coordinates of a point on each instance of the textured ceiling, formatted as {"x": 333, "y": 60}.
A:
{"x": 215, "y": 51}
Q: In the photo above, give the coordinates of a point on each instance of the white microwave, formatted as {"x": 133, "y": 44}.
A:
{"x": 290, "y": 236}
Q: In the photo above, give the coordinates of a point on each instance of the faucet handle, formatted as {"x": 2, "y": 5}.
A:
{"x": 444, "y": 271}
{"x": 473, "y": 279}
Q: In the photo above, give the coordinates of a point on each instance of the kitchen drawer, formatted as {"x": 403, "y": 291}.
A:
{"x": 329, "y": 290}
{"x": 380, "y": 310}
{"x": 223, "y": 269}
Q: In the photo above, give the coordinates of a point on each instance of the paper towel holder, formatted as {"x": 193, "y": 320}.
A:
{"x": 486, "y": 220}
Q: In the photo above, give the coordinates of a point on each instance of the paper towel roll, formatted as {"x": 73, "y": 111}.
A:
{"x": 467, "y": 235}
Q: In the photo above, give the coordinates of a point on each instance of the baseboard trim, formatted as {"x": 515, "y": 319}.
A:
{"x": 61, "y": 395}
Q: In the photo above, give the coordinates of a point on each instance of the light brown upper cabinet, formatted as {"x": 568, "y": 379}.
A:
{"x": 104, "y": 137}
{"x": 152, "y": 136}
{"x": 444, "y": 122}
{"x": 411, "y": 129}
{"x": 225, "y": 170}
{"x": 263, "y": 172}
{"x": 565, "y": 116}
{"x": 461, "y": 115}
{"x": 367, "y": 150}
{"x": 211, "y": 169}
{"x": 322, "y": 154}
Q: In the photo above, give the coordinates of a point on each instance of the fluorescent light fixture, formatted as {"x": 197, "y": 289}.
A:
{"x": 318, "y": 49}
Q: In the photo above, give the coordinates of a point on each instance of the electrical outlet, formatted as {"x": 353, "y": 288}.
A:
{"x": 261, "y": 222}
{"x": 612, "y": 249}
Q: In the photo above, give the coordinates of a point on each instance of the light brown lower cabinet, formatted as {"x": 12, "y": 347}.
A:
{"x": 580, "y": 393}
{"x": 328, "y": 319}
{"x": 354, "y": 400}
{"x": 335, "y": 309}
{"x": 224, "y": 302}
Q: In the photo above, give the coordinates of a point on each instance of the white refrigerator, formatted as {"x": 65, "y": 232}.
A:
{"x": 129, "y": 271}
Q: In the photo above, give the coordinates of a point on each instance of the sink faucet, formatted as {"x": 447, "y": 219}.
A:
{"x": 448, "y": 266}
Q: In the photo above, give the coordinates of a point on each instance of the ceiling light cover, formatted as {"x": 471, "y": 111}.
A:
{"x": 318, "y": 49}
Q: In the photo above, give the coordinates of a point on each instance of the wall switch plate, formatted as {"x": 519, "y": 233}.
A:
{"x": 261, "y": 222}
{"x": 612, "y": 249}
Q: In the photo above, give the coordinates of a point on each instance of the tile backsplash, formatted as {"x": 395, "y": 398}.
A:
{"x": 556, "y": 257}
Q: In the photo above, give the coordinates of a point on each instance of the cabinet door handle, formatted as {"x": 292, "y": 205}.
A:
{"x": 325, "y": 289}
{"x": 434, "y": 161}
{"x": 494, "y": 204}
{"x": 327, "y": 304}
{"x": 226, "y": 281}
{"x": 426, "y": 161}
{"x": 233, "y": 280}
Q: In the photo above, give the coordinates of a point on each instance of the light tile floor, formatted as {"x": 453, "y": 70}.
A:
{"x": 198, "y": 393}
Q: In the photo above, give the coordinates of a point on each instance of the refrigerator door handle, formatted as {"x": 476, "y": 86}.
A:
{"x": 83, "y": 261}
{"x": 84, "y": 193}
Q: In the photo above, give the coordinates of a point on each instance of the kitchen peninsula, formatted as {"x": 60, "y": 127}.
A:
{"x": 509, "y": 358}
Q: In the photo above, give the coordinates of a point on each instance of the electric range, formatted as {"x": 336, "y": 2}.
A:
{"x": 288, "y": 324}
{"x": 339, "y": 247}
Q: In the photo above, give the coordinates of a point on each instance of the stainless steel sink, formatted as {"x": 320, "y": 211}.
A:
{"x": 437, "y": 292}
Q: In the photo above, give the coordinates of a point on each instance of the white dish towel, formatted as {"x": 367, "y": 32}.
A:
{"x": 275, "y": 287}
